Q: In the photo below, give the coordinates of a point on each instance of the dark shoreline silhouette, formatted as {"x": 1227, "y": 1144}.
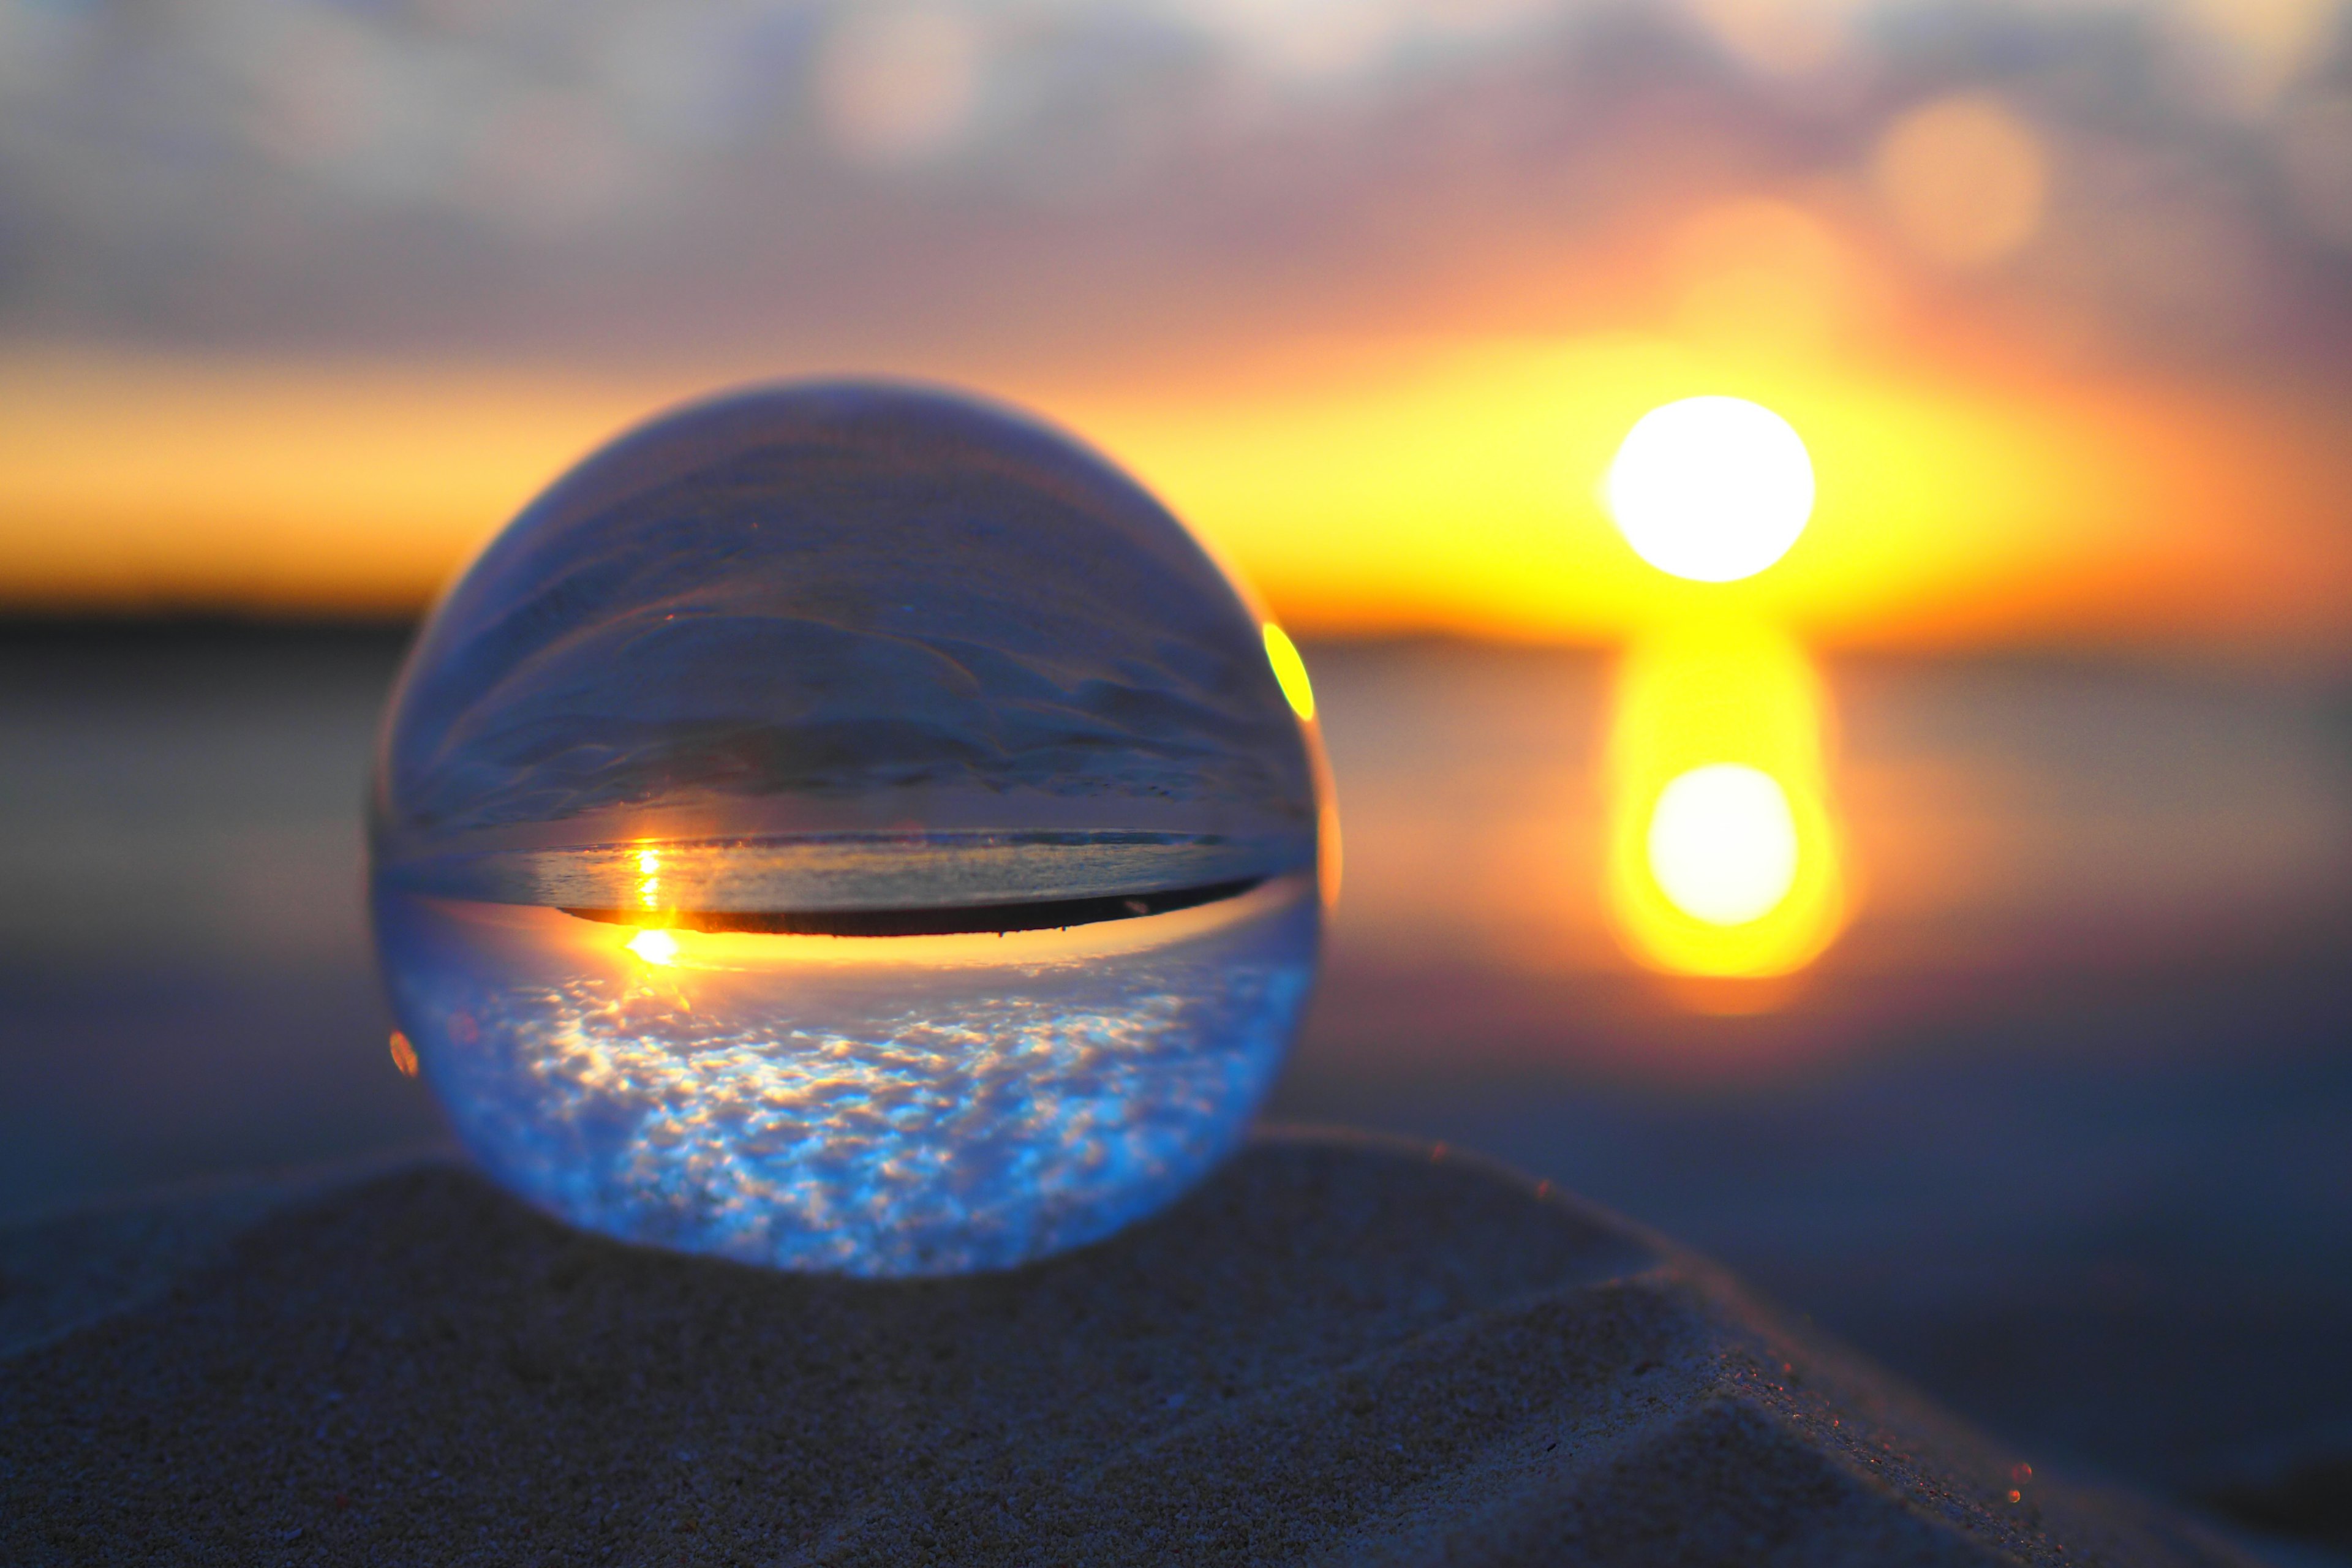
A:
{"x": 955, "y": 919}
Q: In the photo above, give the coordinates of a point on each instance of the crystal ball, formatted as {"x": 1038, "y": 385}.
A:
{"x": 848, "y": 827}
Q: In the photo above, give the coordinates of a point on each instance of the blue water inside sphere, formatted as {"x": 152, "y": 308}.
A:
{"x": 848, "y": 827}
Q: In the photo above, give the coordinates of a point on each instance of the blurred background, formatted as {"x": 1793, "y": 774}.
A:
{"x": 2023, "y": 1056}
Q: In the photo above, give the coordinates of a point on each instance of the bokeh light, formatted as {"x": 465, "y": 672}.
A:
{"x": 1964, "y": 178}
{"x": 2315, "y": 144}
{"x": 1711, "y": 489}
{"x": 898, "y": 84}
{"x": 1761, "y": 274}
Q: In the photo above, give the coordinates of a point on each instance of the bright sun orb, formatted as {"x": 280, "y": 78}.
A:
{"x": 1723, "y": 844}
{"x": 1711, "y": 489}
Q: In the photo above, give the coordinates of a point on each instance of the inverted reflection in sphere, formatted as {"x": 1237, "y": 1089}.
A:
{"x": 848, "y": 827}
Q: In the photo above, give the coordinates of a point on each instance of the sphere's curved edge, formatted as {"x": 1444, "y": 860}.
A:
{"x": 938, "y": 393}
{"x": 817, "y": 402}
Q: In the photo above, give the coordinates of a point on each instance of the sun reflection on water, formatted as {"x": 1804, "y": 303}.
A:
{"x": 1724, "y": 859}
{"x": 1723, "y": 843}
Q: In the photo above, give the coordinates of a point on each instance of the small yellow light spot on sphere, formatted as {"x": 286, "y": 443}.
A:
{"x": 653, "y": 946}
{"x": 1711, "y": 489}
{"x": 404, "y": 1055}
{"x": 1290, "y": 670}
{"x": 1723, "y": 844}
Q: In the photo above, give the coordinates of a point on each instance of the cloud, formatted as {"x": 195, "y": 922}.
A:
{"x": 1046, "y": 178}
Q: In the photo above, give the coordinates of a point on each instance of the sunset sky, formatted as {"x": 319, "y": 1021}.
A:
{"x": 299, "y": 301}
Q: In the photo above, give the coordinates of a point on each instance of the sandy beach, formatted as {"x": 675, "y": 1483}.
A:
{"x": 1342, "y": 1349}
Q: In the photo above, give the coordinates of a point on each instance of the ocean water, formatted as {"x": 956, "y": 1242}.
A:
{"x": 2056, "y": 1129}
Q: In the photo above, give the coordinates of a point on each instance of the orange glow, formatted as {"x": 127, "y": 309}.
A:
{"x": 1412, "y": 485}
{"x": 1764, "y": 276}
{"x": 138, "y": 483}
{"x": 404, "y": 1055}
{"x": 1723, "y": 858}
{"x": 1455, "y": 487}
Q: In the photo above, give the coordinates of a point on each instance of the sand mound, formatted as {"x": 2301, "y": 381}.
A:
{"x": 1337, "y": 1351}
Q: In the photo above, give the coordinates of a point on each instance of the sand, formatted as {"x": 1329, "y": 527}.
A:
{"x": 1339, "y": 1351}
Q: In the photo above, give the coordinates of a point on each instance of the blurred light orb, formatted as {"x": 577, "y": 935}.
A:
{"x": 1964, "y": 178}
{"x": 898, "y": 84}
{"x": 2315, "y": 152}
{"x": 1723, "y": 844}
{"x": 1762, "y": 275}
{"x": 850, "y": 827}
{"x": 1711, "y": 489}
{"x": 1779, "y": 37}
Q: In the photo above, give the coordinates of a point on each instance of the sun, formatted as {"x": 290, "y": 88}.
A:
{"x": 1711, "y": 489}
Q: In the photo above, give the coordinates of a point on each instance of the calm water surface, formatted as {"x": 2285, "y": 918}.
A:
{"x": 2057, "y": 1126}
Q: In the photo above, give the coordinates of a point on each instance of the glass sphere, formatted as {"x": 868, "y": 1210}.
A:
{"x": 848, "y": 827}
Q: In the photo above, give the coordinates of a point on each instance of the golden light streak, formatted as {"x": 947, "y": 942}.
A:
{"x": 404, "y": 1055}
{"x": 1710, "y": 874}
{"x": 1290, "y": 671}
{"x": 1290, "y": 674}
{"x": 753, "y": 952}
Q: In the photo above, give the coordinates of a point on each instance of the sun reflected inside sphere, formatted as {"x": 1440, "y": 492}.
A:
{"x": 1723, "y": 844}
{"x": 1711, "y": 489}
{"x": 654, "y": 945}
